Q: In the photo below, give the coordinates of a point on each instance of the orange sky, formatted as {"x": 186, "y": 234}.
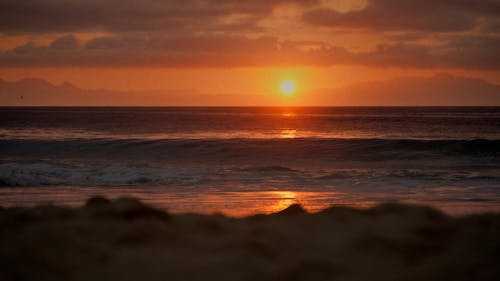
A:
{"x": 244, "y": 47}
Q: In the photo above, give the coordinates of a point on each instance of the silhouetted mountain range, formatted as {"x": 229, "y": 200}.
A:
{"x": 441, "y": 89}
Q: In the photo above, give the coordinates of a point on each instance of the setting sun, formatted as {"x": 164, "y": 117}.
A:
{"x": 288, "y": 87}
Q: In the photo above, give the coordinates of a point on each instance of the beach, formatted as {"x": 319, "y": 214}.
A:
{"x": 249, "y": 193}
{"x": 124, "y": 239}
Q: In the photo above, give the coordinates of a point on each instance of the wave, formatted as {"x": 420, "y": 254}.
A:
{"x": 248, "y": 162}
{"x": 93, "y": 174}
{"x": 257, "y": 149}
{"x": 106, "y": 174}
{"x": 269, "y": 169}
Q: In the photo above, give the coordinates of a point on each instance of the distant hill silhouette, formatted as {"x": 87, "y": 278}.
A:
{"x": 39, "y": 92}
{"x": 442, "y": 89}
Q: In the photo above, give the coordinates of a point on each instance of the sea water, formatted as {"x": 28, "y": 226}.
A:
{"x": 245, "y": 160}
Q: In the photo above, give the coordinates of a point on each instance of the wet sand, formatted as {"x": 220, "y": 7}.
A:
{"x": 242, "y": 203}
{"x": 124, "y": 239}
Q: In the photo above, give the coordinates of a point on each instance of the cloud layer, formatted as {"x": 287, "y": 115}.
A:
{"x": 230, "y": 33}
{"x": 433, "y": 16}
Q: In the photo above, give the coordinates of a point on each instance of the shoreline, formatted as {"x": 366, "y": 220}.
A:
{"x": 238, "y": 203}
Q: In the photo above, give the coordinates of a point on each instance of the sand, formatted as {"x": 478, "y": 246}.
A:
{"x": 126, "y": 240}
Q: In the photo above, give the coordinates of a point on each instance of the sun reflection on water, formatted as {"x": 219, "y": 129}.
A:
{"x": 288, "y": 114}
{"x": 288, "y": 134}
{"x": 283, "y": 200}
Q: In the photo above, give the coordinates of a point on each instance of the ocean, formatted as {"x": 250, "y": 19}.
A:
{"x": 245, "y": 160}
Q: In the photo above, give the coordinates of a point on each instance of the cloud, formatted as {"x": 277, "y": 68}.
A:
{"x": 491, "y": 26}
{"x": 65, "y": 42}
{"x": 117, "y": 16}
{"x": 455, "y": 51}
{"x": 230, "y": 33}
{"x": 107, "y": 42}
{"x": 458, "y": 51}
{"x": 186, "y": 51}
{"x": 41, "y": 16}
{"x": 433, "y": 16}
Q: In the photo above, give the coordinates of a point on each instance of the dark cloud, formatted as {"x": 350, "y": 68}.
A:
{"x": 464, "y": 51}
{"x": 435, "y": 16}
{"x": 55, "y": 16}
{"x": 108, "y": 42}
{"x": 211, "y": 51}
{"x": 41, "y": 16}
{"x": 226, "y": 33}
{"x": 491, "y": 26}
{"x": 65, "y": 42}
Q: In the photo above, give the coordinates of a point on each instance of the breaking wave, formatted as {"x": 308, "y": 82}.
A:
{"x": 231, "y": 149}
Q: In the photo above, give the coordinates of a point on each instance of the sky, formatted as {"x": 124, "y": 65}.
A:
{"x": 246, "y": 47}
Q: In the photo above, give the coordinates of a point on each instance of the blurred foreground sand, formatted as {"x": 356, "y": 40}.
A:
{"x": 126, "y": 240}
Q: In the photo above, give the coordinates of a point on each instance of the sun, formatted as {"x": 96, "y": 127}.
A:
{"x": 288, "y": 87}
